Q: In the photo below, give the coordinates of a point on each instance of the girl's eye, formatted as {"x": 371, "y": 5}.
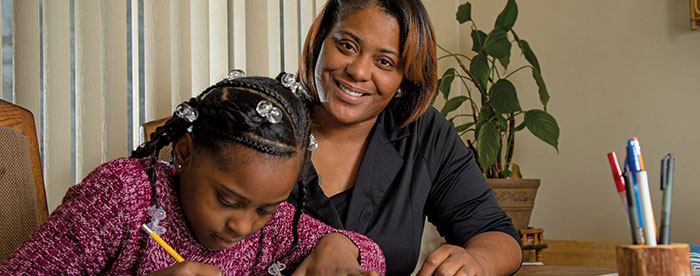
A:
{"x": 226, "y": 203}
{"x": 267, "y": 211}
{"x": 385, "y": 62}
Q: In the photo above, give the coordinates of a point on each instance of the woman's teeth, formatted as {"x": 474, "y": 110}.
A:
{"x": 351, "y": 93}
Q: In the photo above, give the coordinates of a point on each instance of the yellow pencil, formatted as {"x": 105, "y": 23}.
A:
{"x": 162, "y": 243}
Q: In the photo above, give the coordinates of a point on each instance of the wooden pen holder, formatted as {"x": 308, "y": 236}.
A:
{"x": 639, "y": 260}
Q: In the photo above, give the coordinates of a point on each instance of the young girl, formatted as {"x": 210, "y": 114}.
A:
{"x": 238, "y": 148}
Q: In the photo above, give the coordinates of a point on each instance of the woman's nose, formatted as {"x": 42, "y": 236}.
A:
{"x": 359, "y": 69}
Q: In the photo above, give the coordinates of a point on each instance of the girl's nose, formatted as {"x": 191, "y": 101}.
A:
{"x": 241, "y": 223}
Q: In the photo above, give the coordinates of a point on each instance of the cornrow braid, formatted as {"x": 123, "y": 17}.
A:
{"x": 302, "y": 182}
{"x": 301, "y": 204}
{"x": 258, "y": 146}
{"x": 174, "y": 127}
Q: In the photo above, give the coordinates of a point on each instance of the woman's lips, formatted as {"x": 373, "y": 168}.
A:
{"x": 349, "y": 94}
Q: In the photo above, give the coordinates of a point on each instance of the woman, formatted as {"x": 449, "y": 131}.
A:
{"x": 386, "y": 159}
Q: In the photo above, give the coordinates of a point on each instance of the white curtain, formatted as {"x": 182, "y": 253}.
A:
{"x": 91, "y": 71}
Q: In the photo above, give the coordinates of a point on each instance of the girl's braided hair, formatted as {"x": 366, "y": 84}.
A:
{"x": 227, "y": 116}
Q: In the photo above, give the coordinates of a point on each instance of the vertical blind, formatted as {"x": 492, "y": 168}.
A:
{"x": 92, "y": 71}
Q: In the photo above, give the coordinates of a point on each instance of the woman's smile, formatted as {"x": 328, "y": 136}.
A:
{"x": 350, "y": 94}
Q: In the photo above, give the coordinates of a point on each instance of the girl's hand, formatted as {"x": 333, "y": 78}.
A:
{"x": 189, "y": 269}
{"x": 334, "y": 254}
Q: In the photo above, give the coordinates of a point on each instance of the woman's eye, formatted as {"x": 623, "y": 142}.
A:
{"x": 226, "y": 203}
{"x": 385, "y": 63}
{"x": 346, "y": 46}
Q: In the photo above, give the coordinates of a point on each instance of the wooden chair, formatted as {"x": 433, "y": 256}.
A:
{"x": 149, "y": 128}
{"x": 532, "y": 239}
{"x": 22, "y": 196}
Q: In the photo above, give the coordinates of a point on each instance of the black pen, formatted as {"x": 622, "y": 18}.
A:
{"x": 637, "y": 231}
{"x": 667, "y": 187}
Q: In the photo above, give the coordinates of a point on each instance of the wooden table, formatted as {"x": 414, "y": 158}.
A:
{"x": 549, "y": 270}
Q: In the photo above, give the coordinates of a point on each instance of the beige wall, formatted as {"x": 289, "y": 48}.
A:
{"x": 613, "y": 71}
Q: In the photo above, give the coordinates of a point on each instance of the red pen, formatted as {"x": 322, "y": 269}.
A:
{"x": 619, "y": 181}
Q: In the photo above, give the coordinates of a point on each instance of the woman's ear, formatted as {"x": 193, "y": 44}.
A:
{"x": 183, "y": 150}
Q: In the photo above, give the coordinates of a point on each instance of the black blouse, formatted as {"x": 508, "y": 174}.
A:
{"x": 423, "y": 169}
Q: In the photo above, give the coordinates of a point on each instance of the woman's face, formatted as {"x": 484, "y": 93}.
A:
{"x": 231, "y": 197}
{"x": 359, "y": 68}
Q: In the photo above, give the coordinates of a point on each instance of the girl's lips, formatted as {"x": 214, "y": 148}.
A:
{"x": 225, "y": 243}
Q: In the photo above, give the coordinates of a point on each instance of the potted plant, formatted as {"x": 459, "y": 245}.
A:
{"x": 496, "y": 115}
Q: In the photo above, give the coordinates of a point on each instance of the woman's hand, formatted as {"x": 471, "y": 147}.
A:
{"x": 488, "y": 253}
{"x": 451, "y": 260}
{"x": 189, "y": 269}
{"x": 334, "y": 254}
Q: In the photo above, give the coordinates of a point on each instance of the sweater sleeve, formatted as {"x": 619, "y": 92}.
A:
{"x": 371, "y": 257}
{"x": 80, "y": 237}
{"x": 312, "y": 230}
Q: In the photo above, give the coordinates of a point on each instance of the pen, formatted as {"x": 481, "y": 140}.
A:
{"x": 619, "y": 182}
{"x": 643, "y": 183}
{"x": 637, "y": 231}
{"x": 667, "y": 187}
{"x": 633, "y": 167}
{"x": 162, "y": 243}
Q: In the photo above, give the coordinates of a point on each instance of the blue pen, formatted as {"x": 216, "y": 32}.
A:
{"x": 637, "y": 231}
{"x": 632, "y": 165}
{"x": 644, "y": 194}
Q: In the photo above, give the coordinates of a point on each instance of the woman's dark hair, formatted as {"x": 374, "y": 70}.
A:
{"x": 417, "y": 49}
{"x": 227, "y": 117}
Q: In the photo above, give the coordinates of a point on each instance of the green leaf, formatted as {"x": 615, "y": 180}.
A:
{"x": 543, "y": 126}
{"x": 520, "y": 127}
{"x": 506, "y": 19}
{"x": 479, "y": 68}
{"x": 463, "y": 127}
{"x": 502, "y": 123}
{"x": 507, "y": 174}
{"x": 488, "y": 144}
{"x": 446, "y": 82}
{"x": 464, "y": 12}
{"x": 497, "y": 44}
{"x": 478, "y": 38}
{"x": 528, "y": 53}
{"x": 485, "y": 116}
{"x": 505, "y": 61}
{"x": 504, "y": 97}
{"x": 452, "y": 104}
{"x": 544, "y": 95}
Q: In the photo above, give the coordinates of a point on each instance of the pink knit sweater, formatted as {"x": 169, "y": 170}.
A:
{"x": 96, "y": 231}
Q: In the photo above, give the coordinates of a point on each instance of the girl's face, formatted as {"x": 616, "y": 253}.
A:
{"x": 359, "y": 68}
{"x": 229, "y": 197}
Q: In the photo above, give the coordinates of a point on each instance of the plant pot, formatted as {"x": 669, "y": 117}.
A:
{"x": 516, "y": 197}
